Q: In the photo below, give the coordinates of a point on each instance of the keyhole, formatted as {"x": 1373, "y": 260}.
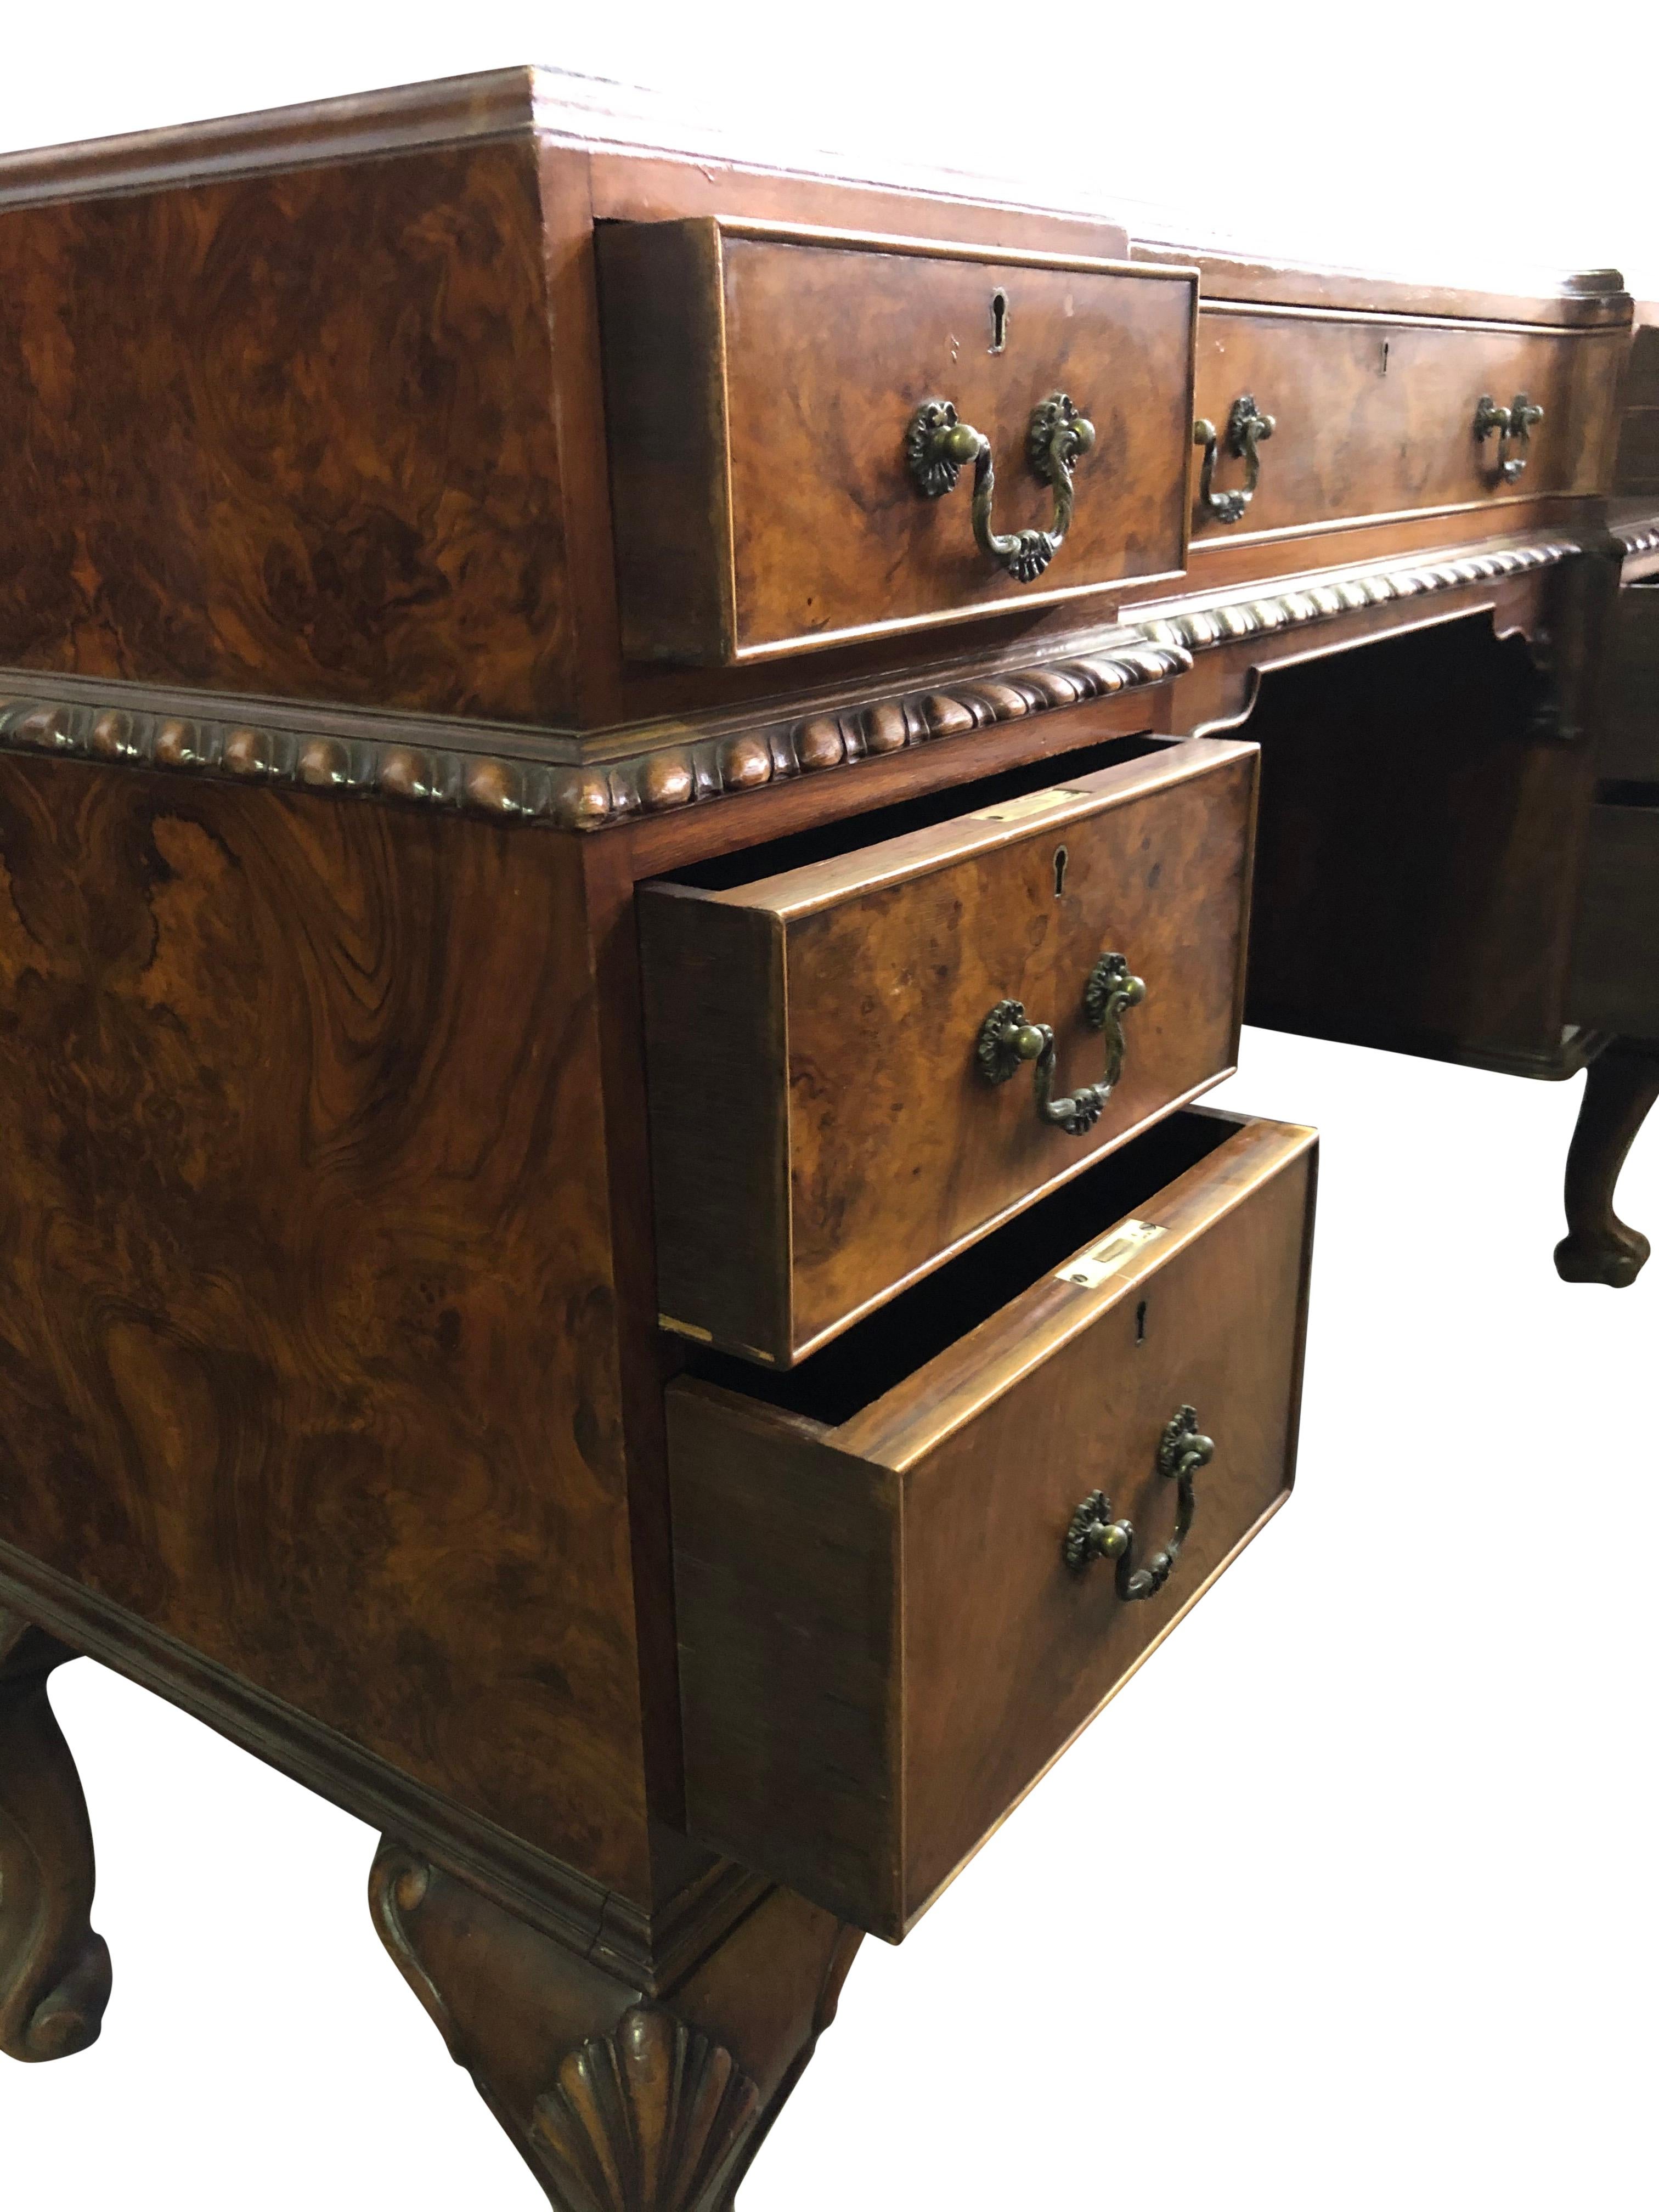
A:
{"x": 1061, "y": 858}
{"x": 1385, "y": 357}
{"x": 1140, "y": 1323}
{"x": 999, "y": 320}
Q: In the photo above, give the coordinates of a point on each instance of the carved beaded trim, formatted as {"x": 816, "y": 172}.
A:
{"x": 659, "y": 781}
{"x": 1635, "y": 539}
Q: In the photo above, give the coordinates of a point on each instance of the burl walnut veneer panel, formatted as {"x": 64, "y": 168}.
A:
{"x": 290, "y": 433}
{"x": 882, "y": 1644}
{"x": 307, "y": 1333}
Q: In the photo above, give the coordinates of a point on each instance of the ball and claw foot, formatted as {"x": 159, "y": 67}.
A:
{"x": 1620, "y": 1086}
{"x": 54, "y": 1968}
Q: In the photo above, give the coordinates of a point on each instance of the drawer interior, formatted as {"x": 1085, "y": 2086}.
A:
{"x": 880, "y": 1352}
{"x": 832, "y": 841}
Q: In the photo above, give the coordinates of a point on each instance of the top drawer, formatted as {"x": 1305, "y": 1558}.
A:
{"x": 761, "y": 385}
{"x": 1375, "y": 418}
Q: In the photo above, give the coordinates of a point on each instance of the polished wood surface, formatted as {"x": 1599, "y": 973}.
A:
{"x": 882, "y": 1646}
{"x": 54, "y": 1968}
{"x": 396, "y": 587}
{"x": 1374, "y": 415}
{"x": 822, "y": 1129}
{"x": 619, "y": 2100}
{"x": 766, "y": 507}
{"x": 307, "y": 1307}
{"x": 311, "y": 453}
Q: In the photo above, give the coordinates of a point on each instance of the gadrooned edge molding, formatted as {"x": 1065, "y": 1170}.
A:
{"x": 668, "y": 778}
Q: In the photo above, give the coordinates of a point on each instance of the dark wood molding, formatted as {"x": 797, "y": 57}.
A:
{"x": 278, "y": 747}
{"x": 649, "y": 1948}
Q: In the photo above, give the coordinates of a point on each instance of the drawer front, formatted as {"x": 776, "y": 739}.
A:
{"x": 1615, "y": 969}
{"x": 825, "y": 1125}
{"x": 883, "y": 1644}
{"x": 1373, "y": 417}
{"x": 1629, "y": 749}
{"x": 760, "y": 386}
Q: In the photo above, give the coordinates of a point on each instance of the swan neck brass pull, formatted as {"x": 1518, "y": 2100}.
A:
{"x": 1514, "y": 425}
{"x": 1094, "y": 1534}
{"x": 1248, "y": 430}
{"x": 938, "y": 445}
{"x": 1008, "y": 1042}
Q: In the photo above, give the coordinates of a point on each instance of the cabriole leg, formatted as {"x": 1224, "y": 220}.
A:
{"x": 54, "y": 1970}
{"x": 619, "y": 2102}
{"x": 1620, "y": 1086}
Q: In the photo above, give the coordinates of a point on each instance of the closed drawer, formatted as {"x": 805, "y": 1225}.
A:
{"x": 760, "y": 386}
{"x": 836, "y": 1100}
{"x": 1615, "y": 969}
{"x": 1375, "y": 417}
{"x": 884, "y": 1641}
{"x": 1629, "y": 750}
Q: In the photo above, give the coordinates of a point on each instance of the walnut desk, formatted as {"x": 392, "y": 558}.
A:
{"x": 629, "y": 787}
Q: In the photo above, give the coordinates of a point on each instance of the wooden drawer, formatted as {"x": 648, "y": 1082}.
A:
{"x": 1375, "y": 417}
{"x": 883, "y": 1646}
{"x": 825, "y": 1124}
{"x": 1615, "y": 968}
{"x": 760, "y": 383}
{"x": 1629, "y": 748}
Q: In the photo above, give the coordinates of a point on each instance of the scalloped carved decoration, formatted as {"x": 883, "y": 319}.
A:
{"x": 652, "y": 2117}
{"x": 668, "y": 778}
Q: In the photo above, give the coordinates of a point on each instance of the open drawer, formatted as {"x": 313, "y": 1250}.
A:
{"x": 909, "y": 1572}
{"x": 835, "y": 1024}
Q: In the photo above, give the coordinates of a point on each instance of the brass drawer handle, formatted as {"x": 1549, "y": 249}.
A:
{"x": 1008, "y": 1042}
{"x": 1515, "y": 421}
{"x": 938, "y": 445}
{"x": 1248, "y": 429}
{"x": 1094, "y": 1534}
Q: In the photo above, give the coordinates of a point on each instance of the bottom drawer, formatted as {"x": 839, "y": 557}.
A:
{"x": 1615, "y": 959}
{"x": 882, "y": 1640}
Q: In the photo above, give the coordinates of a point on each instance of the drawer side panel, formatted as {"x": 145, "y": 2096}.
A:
{"x": 786, "y": 1568}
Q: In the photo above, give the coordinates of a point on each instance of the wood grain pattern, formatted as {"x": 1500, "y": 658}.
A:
{"x": 289, "y": 433}
{"x": 54, "y": 1967}
{"x": 765, "y": 506}
{"x": 821, "y": 1132}
{"x": 444, "y": 767}
{"x": 881, "y": 1645}
{"x": 307, "y": 1355}
{"x": 1375, "y": 416}
{"x": 618, "y": 2101}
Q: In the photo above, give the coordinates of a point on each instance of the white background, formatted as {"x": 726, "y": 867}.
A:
{"x": 1348, "y": 1900}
